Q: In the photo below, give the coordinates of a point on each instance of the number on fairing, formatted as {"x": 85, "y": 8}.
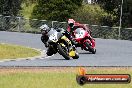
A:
{"x": 53, "y": 37}
{"x": 80, "y": 34}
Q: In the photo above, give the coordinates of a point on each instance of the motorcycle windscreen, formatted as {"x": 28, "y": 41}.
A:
{"x": 79, "y": 33}
{"x": 53, "y": 35}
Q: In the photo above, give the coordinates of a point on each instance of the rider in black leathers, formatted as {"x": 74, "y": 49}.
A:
{"x": 44, "y": 38}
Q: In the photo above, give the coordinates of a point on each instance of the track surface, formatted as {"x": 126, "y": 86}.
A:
{"x": 110, "y": 52}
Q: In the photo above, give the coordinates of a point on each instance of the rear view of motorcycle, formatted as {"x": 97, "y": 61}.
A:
{"x": 61, "y": 44}
{"x": 82, "y": 38}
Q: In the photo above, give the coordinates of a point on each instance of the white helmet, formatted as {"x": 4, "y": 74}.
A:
{"x": 71, "y": 22}
{"x": 44, "y": 27}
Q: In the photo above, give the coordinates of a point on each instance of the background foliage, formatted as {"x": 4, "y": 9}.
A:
{"x": 113, "y": 7}
{"x": 89, "y": 14}
{"x": 10, "y": 7}
{"x": 104, "y": 12}
{"x": 59, "y": 10}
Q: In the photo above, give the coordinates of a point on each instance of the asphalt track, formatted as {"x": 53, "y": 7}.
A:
{"x": 110, "y": 52}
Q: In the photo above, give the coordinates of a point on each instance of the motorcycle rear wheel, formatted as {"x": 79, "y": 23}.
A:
{"x": 62, "y": 52}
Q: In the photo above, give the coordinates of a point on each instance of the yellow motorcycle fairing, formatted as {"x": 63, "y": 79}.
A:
{"x": 72, "y": 53}
{"x": 65, "y": 38}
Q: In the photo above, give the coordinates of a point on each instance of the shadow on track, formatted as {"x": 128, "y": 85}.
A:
{"x": 59, "y": 59}
{"x": 85, "y": 53}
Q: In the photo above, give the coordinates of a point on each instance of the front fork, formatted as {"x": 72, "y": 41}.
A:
{"x": 71, "y": 49}
{"x": 67, "y": 42}
{"x": 84, "y": 44}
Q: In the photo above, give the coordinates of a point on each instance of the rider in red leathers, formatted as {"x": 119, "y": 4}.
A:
{"x": 72, "y": 25}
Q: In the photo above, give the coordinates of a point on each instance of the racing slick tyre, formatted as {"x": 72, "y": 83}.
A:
{"x": 93, "y": 51}
{"x": 90, "y": 48}
{"x": 76, "y": 56}
{"x": 49, "y": 52}
{"x": 62, "y": 52}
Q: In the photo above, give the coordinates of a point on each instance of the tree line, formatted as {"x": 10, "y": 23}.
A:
{"x": 113, "y": 8}
{"x": 104, "y": 12}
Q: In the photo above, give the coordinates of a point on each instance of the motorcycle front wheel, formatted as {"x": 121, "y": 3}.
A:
{"x": 63, "y": 52}
{"x": 90, "y": 48}
{"x": 76, "y": 56}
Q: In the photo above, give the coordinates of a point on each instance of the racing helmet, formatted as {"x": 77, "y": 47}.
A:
{"x": 44, "y": 29}
{"x": 71, "y": 22}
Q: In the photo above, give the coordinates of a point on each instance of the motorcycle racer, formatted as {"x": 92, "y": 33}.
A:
{"x": 72, "y": 26}
{"x": 44, "y": 38}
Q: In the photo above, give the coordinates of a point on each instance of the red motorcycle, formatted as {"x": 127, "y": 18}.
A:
{"x": 82, "y": 38}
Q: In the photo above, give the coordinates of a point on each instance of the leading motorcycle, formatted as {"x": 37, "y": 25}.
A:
{"x": 61, "y": 44}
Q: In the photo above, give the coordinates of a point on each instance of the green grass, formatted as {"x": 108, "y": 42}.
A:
{"x": 55, "y": 78}
{"x": 13, "y": 51}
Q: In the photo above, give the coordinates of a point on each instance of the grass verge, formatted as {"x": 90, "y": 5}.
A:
{"x": 14, "y": 51}
{"x": 55, "y": 77}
